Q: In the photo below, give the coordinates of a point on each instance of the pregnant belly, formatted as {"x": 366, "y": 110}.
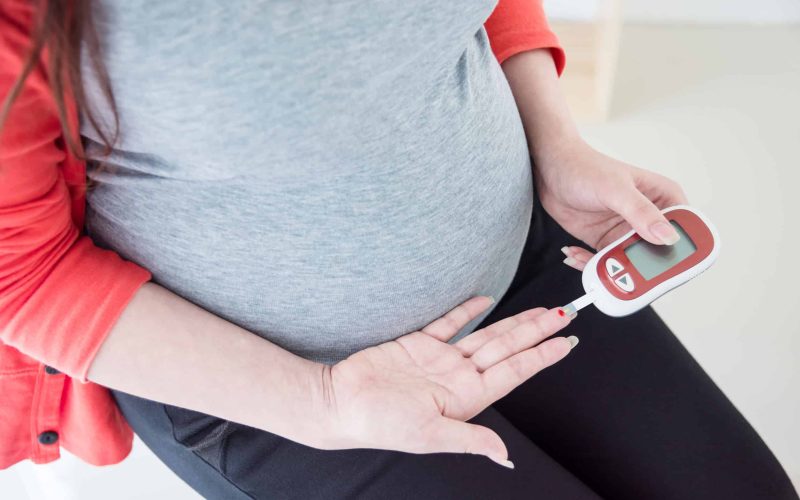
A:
{"x": 327, "y": 270}
{"x": 344, "y": 243}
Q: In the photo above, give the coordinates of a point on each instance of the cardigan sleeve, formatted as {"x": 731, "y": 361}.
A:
{"x": 60, "y": 295}
{"x": 519, "y": 25}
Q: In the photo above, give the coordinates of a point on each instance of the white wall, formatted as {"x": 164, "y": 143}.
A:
{"x": 715, "y": 108}
{"x": 685, "y": 11}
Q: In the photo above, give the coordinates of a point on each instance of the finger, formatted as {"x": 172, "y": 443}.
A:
{"x": 448, "y": 325}
{"x": 578, "y": 253}
{"x": 613, "y": 234}
{"x": 454, "y": 436}
{"x": 519, "y": 338}
{"x": 472, "y": 342}
{"x": 642, "y": 215}
{"x": 503, "y": 377}
{"x": 662, "y": 190}
{"x": 576, "y": 257}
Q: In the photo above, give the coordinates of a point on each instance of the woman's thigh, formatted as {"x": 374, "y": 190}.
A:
{"x": 629, "y": 411}
{"x": 222, "y": 460}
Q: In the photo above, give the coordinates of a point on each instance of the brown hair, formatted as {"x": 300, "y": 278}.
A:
{"x": 61, "y": 26}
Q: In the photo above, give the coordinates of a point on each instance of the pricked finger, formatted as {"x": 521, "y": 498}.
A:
{"x": 523, "y": 336}
{"x": 472, "y": 342}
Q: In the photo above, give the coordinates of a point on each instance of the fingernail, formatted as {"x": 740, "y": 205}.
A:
{"x": 570, "y": 262}
{"x": 665, "y": 232}
{"x": 491, "y": 299}
{"x": 568, "y": 311}
{"x": 505, "y": 463}
{"x": 573, "y": 341}
{"x": 565, "y": 251}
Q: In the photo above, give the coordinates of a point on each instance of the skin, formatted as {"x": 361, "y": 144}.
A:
{"x": 594, "y": 197}
{"x": 415, "y": 393}
{"x": 432, "y": 387}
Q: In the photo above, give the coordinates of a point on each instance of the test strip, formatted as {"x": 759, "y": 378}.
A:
{"x": 576, "y": 305}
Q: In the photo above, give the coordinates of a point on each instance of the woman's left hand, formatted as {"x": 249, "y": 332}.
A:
{"x": 597, "y": 198}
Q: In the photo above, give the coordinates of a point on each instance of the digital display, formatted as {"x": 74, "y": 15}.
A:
{"x": 651, "y": 260}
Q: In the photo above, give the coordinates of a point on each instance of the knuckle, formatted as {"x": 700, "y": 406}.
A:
{"x": 538, "y": 360}
{"x": 550, "y": 353}
{"x": 487, "y": 357}
{"x": 499, "y": 348}
{"x": 449, "y": 322}
{"x": 491, "y": 333}
{"x": 526, "y": 335}
{"x": 483, "y": 439}
{"x": 481, "y": 359}
{"x": 532, "y": 313}
{"x": 681, "y": 194}
{"x": 641, "y": 205}
{"x": 458, "y": 314}
{"x": 517, "y": 367}
{"x": 468, "y": 344}
{"x": 541, "y": 326}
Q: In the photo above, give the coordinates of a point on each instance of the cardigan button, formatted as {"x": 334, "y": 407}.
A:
{"x": 51, "y": 371}
{"x": 48, "y": 437}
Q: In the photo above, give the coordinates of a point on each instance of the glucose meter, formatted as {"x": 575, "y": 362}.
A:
{"x": 631, "y": 272}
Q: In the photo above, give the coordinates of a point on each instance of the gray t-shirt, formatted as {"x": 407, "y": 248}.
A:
{"x": 328, "y": 175}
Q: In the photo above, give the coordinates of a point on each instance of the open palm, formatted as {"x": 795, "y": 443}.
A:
{"x": 414, "y": 393}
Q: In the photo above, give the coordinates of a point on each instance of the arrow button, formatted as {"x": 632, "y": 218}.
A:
{"x": 625, "y": 282}
{"x": 613, "y": 267}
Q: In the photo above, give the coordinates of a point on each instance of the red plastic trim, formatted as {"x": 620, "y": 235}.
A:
{"x": 696, "y": 229}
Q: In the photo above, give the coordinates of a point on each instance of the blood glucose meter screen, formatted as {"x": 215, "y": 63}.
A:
{"x": 651, "y": 260}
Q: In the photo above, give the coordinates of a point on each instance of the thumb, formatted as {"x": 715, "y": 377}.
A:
{"x": 455, "y": 436}
{"x": 645, "y": 218}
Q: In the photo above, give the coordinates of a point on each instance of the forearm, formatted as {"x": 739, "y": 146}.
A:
{"x": 542, "y": 106}
{"x": 167, "y": 349}
{"x": 594, "y": 197}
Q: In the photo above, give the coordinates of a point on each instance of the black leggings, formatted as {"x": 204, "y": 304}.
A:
{"x": 628, "y": 414}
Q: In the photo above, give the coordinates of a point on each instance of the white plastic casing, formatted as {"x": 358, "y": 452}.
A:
{"x": 613, "y": 306}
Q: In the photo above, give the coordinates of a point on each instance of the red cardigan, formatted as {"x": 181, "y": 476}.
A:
{"x": 59, "y": 293}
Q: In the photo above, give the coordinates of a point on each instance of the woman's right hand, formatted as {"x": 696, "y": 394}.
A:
{"x": 415, "y": 393}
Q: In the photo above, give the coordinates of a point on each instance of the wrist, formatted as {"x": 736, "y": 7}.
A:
{"x": 322, "y": 411}
{"x": 549, "y": 148}
{"x": 341, "y": 425}
{"x": 560, "y": 153}
{"x": 325, "y": 403}
{"x": 337, "y": 433}
{"x": 322, "y": 427}
{"x": 292, "y": 403}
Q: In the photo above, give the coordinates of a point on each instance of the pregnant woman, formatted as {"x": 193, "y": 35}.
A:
{"x": 322, "y": 259}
